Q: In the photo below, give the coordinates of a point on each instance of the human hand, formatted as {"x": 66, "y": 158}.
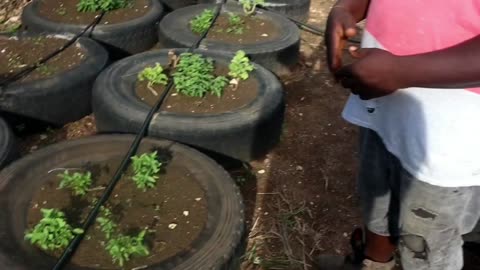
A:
{"x": 374, "y": 73}
{"x": 340, "y": 27}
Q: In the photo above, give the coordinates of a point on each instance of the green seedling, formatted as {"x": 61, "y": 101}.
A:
{"x": 107, "y": 226}
{"x": 240, "y": 66}
{"x": 154, "y": 75}
{"x": 52, "y": 232}
{"x": 101, "y": 5}
{"x": 78, "y": 182}
{"x": 194, "y": 76}
{"x": 146, "y": 167}
{"x": 249, "y": 6}
{"x": 235, "y": 24}
{"x": 202, "y": 22}
{"x": 122, "y": 247}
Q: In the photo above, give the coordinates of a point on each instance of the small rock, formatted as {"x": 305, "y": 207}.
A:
{"x": 309, "y": 64}
{"x": 261, "y": 171}
{"x": 198, "y": 199}
{"x": 264, "y": 35}
{"x": 186, "y": 213}
{"x": 174, "y": 94}
{"x": 299, "y": 168}
{"x": 172, "y": 226}
{"x": 43, "y": 137}
{"x": 345, "y": 234}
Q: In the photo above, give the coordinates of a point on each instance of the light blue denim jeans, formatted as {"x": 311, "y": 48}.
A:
{"x": 428, "y": 220}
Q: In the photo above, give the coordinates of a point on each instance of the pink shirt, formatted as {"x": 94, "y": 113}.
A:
{"x": 407, "y": 27}
{"x": 433, "y": 132}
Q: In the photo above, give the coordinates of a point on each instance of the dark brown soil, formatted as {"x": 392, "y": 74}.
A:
{"x": 177, "y": 199}
{"x": 255, "y": 30}
{"x": 16, "y": 55}
{"x": 231, "y": 100}
{"x": 65, "y": 11}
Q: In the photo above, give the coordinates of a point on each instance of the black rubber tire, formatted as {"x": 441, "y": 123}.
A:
{"x": 295, "y": 9}
{"x": 129, "y": 37}
{"x": 8, "y": 149}
{"x": 176, "y": 4}
{"x": 276, "y": 55}
{"x": 61, "y": 98}
{"x": 244, "y": 134}
{"x": 213, "y": 248}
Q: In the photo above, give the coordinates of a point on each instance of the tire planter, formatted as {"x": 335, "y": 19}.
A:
{"x": 296, "y": 9}
{"x": 176, "y": 4}
{"x": 244, "y": 133}
{"x": 212, "y": 247}
{"x": 62, "y": 97}
{"x": 276, "y": 55}
{"x": 130, "y": 37}
{"x": 8, "y": 149}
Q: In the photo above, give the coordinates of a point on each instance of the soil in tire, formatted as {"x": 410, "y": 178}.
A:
{"x": 232, "y": 99}
{"x": 175, "y": 211}
{"x": 255, "y": 30}
{"x": 16, "y": 55}
{"x": 65, "y": 11}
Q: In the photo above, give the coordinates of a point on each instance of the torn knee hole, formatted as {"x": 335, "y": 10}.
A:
{"x": 416, "y": 244}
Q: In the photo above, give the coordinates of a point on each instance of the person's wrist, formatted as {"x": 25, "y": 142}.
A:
{"x": 402, "y": 72}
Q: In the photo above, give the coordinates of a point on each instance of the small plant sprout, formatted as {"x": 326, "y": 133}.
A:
{"x": 202, "y": 22}
{"x": 122, "y": 247}
{"x": 235, "y": 24}
{"x": 194, "y": 76}
{"x": 146, "y": 167}
{"x": 107, "y": 226}
{"x": 78, "y": 182}
{"x": 154, "y": 75}
{"x": 52, "y": 232}
{"x": 240, "y": 66}
{"x": 101, "y": 5}
{"x": 249, "y": 6}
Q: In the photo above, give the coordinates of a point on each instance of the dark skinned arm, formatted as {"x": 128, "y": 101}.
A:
{"x": 376, "y": 73}
{"x": 454, "y": 67}
{"x": 341, "y": 26}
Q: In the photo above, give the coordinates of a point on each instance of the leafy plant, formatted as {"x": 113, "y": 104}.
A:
{"x": 235, "y": 24}
{"x": 194, "y": 76}
{"x": 107, "y": 226}
{"x": 249, "y": 6}
{"x": 202, "y": 22}
{"x": 52, "y": 232}
{"x": 101, "y": 5}
{"x": 154, "y": 75}
{"x": 240, "y": 66}
{"x": 78, "y": 182}
{"x": 123, "y": 247}
{"x": 146, "y": 168}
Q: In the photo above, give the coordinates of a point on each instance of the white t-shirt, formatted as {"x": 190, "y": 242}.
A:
{"x": 434, "y": 132}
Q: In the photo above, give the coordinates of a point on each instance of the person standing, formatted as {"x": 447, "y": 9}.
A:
{"x": 415, "y": 87}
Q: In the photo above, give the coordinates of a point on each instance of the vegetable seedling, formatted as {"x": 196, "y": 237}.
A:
{"x": 123, "y": 247}
{"x": 78, "y": 182}
{"x": 240, "y": 66}
{"x": 202, "y": 22}
{"x": 107, "y": 226}
{"x": 194, "y": 76}
{"x": 146, "y": 167}
{"x": 154, "y": 75}
{"x": 235, "y": 24}
{"x": 101, "y": 5}
{"x": 249, "y": 6}
{"x": 52, "y": 232}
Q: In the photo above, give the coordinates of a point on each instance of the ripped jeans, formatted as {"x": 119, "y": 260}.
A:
{"x": 429, "y": 220}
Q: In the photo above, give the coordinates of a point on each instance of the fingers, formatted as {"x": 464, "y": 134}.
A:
{"x": 340, "y": 28}
{"x": 358, "y": 53}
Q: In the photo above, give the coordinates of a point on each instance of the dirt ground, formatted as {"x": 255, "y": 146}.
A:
{"x": 300, "y": 198}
